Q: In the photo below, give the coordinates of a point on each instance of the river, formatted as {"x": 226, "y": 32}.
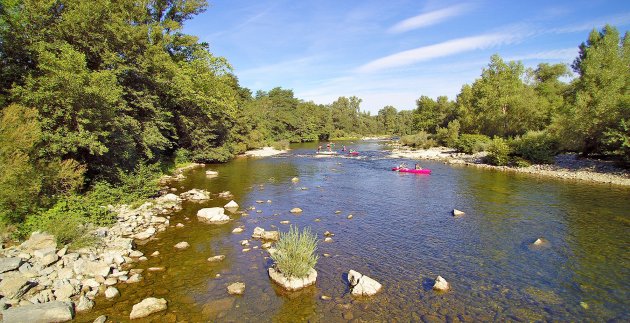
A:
{"x": 403, "y": 235}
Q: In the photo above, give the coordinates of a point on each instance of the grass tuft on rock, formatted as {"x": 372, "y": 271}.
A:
{"x": 295, "y": 254}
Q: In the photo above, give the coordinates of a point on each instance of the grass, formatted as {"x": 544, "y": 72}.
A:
{"x": 295, "y": 254}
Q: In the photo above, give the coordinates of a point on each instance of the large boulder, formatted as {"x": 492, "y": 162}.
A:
{"x": 441, "y": 284}
{"x": 196, "y": 195}
{"x": 39, "y": 241}
{"x": 362, "y": 285}
{"x": 14, "y": 285}
{"x": 9, "y": 264}
{"x": 293, "y": 283}
{"x": 236, "y": 288}
{"x": 40, "y": 313}
{"x": 213, "y": 215}
{"x": 231, "y": 205}
{"x": 147, "y": 307}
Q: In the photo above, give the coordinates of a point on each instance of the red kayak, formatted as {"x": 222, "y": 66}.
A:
{"x": 410, "y": 170}
{"x": 353, "y": 153}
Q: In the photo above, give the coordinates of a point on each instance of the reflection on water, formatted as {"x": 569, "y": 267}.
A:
{"x": 401, "y": 234}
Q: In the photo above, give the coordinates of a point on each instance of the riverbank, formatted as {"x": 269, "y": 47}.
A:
{"x": 566, "y": 166}
{"x": 264, "y": 152}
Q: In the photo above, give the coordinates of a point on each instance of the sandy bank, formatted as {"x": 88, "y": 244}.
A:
{"x": 264, "y": 152}
{"x": 566, "y": 166}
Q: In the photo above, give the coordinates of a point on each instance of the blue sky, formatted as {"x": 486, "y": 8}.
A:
{"x": 392, "y": 52}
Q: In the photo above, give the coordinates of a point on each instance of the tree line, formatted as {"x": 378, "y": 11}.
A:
{"x": 95, "y": 97}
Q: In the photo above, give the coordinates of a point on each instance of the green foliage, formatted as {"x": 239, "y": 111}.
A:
{"x": 538, "y": 147}
{"x": 295, "y": 254}
{"x": 472, "y": 143}
{"x": 448, "y": 136}
{"x": 520, "y": 162}
{"x": 281, "y": 145}
{"x": 498, "y": 152}
{"x": 420, "y": 140}
{"x": 430, "y": 114}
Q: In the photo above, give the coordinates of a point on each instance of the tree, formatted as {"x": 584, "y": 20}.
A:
{"x": 388, "y": 119}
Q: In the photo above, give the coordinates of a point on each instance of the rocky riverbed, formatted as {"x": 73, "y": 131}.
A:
{"x": 566, "y": 166}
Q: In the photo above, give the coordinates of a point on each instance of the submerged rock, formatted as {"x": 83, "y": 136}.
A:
{"x": 182, "y": 245}
{"x": 216, "y": 258}
{"x": 293, "y": 283}
{"x": 362, "y": 285}
{"x": 295, "y": 180}
{"x": 296, "y": 210}
{"x": 211, "y": 173}
{"x": 213, "y": 215}
{"x": 441, "y": 284}
{"x": 236, "y": 288}
{"x": 196, "y": 195}
{"x": 231, "y": 205}
{"x": 457, "y": 212}
{"x": 147, "y": 307}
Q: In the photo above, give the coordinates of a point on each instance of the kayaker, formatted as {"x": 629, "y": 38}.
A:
{"x": 418, "y": 166}
{"x": 403, "y": 165}
{"x": 328, "y": 146}
{"x": 319, "y": 148}
{"x": 344, "y": 148}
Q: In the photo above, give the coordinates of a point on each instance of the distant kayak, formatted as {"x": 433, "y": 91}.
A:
{"x": 353, "y": 153}
{"x": 410, "y": 170}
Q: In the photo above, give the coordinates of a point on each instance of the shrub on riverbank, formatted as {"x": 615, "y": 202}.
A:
{"x": 295, "y": 254}
{"x": 498, "y": 152}
{"x": 421, "y": 140}
{"x": 472, "y": 143}
{"x": 538, "y": 147}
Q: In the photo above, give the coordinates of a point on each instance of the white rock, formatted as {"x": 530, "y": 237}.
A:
{"x": 196, "y": 195}
{"x": 213, "y": 215}
{"x": 236, "y": 288}
{"x": 212, "y": 173}
{"x": 111, "y": 292}
{"x": 147, "y": 307}
{"x": 231, "y": 205}
{"x": 271, "y": 235}
{"x": 148, "y": 233}
{"x": 9, "y": 264}
{"x": 441, "y": 284}
{"x": 457, "y": 212}
{"x": 292, "y": 283}
{"x": 216, "y": 258}
{"x": 38, "y": 241}
{"x": 296, "y": 210}
{"x": 84, "y": 304}
{"x": 258, "y": 233}
{"x": 182, "y": 245}
{"x": 66, "y": 291}
{"x": 179, "y": 225}
{"x": 295, "y": 180}
{"x": 237, "y": 230}
{"x": 110, "y": 281}
{"x": 362, "y": 285}
{"x": 244, "y": 243}
{"x": 136, "y": 254}
{"x": 134, "y": 279}
{"x": 48, "y": 312}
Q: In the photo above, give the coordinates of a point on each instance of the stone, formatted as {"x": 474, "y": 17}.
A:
{"x": 325, "y": 298}
{"x": 155, "y": 254}
{"x": 134, "y": 279}
{"x": 226, "y": 194}
{"x": 236, "y": 288}
{"x": 100, "y": 319}
{"x": 213, "y": 308}
{"x": 85, "y": 304}
{"x": 168, "y": 198}
{"x": 362, "y": 285}
{"x": 258, "y": 233}
{"x": 266, "y": 245}
{"x": 337, "y": 212}
{"x": 110, "y": 281}
{"x": 136, "y": 254}
{"x": 148, "y": 233}
{"x": 156, "y": 269}
{"x": 271, "y": 235}
{"x": 179, "y": 225}
{"x": 328, "y": 234}
{"x": 292, "y": 283}
{"x": 231, "y": 205}
{"x": 244, "y": 243}
{"x": 14, "y": 285}
{"x": 196, "y": 195}
{"x": 457, "y": 212}
{"x": 285, "y": 222}
{"x": 65, "y": 291}
{"x": 441, "y": 284}
{"x": 182, "y": 245}
{"x": 9, "y": 264}
{"x": 111, "y": 292}
{"x": 62, "y": 252}
{"x": 55, "y": 311}
{"x": 328, "y": 239}
{"x": 296, "y": 210}
{"x": 213, "y": 215}
{"x": 147, "y": 307}
{"x": 91, "y": 282}
{"x": 295, "y": 179}
{"x": 91, "y": 268}
{"x": 39, "y": 241}
{"x": 211, "y": 173}
{"x": 246, "y": 250}
{"x": 350, "y": 216}
{"x": 216, "y": 258}
{"x": 237, "y": 230}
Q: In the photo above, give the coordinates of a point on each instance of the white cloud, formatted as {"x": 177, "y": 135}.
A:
{"x": 446, "y": 48}
{"x": 617, "y": 20}
{"x": 429, "y": 18}
{"x": 565, "y": 54}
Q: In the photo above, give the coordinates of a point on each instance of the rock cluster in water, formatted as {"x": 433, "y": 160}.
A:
{"x": 213, "y": 215}
{"x": 362, "y": 285}
{"x": 293, "y": 283}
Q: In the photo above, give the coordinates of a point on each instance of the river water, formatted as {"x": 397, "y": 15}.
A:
{"x": 403, "y": 235}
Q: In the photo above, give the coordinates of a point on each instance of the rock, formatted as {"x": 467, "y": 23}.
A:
{"x": 236, "y": 288}
{"x": 328, "y": 234}
{"x": 111, "y": 292}
{"x": 213, "y": 308}
{"x": 271, "y": 235}
{"x": 211, "y": 173}
{"x": 296, "y": 210}
{"x": 285, "y": 222}
{"x": 328, "y": 239}
{"x": 295, "y": 180}
{"x": 65, "y": 291}
{"x": 292, "y": 283}
{"x": 147, "y": 307}
{"x": 457, "y": 212}
{"x": 91, "y": 268}
{"x": 325, "y": 298}
{"x": 134, "y": 279}
{"x": 14, "y": 285}
{"x": 100, "y": 319}
{"x": 156, "y": 269}
{"x": 9, "y": 264}
{"x": 213, "y": 215}
{"x": 182, "y": 245}
{"x": 441, "y": 284}
{"x": 155, "y": 254}
{"x": 258, "y": 233}
{"x": 362, "y": 285}
{"x": 337, "y": 212}
{"x": 231, "y": 205}
{"x": 62, "y": 251}
{"x": 237, "y": 230}
{"x": 84, "y": 304}
{"x": 216, "y": 258}
{"x": 246, "y": 250}
{"x": 266, "y": 245}
{"x": 110, "y": 281}
{"x": 38, "y": 241}
{"x": 39, "y": 313}
{"x": 196, "y": 195}
{"x": 350, "y": 216}
{"x": 148, "y": 233}
{"x": 180, "y": 225}
{"x": 136, "y": 254}
{"x": 244, "y": 243}
{"x": 226, "y": 195}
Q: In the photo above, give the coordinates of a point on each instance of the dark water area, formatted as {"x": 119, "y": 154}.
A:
{"x": 403, "y": 235}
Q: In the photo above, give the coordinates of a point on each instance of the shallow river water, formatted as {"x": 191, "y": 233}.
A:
{"x": 403, "y": 235}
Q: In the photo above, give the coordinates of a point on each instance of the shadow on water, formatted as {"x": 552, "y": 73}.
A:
{"x": 403, "y": 235}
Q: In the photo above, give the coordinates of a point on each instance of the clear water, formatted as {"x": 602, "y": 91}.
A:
{"x": 403, "y": 235}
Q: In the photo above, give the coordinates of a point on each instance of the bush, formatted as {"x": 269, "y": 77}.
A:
{"x": 520, "y": 162}
{"x": 280, "y": 145}
{"x": 498, "y": 152}
{"x": 420, "y": 140}
{"x": 448, "y": 136}
{"x": 470, "y": 144}
{"x": 538, "y": 147}
{"x": 295, "y": 254}
{"x": 182, "y": 157}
